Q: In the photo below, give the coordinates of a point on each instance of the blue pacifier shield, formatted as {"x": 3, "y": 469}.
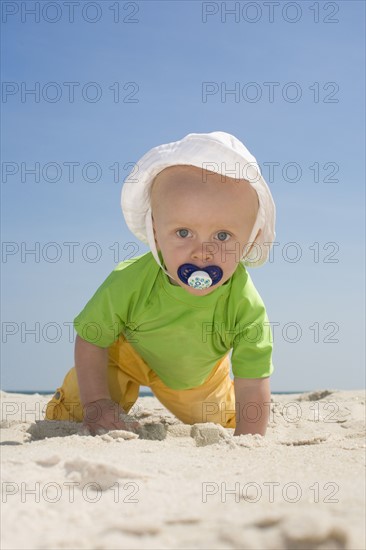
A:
{"x": 198, "y": 278}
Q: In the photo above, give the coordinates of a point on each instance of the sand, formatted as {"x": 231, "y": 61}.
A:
{"x": 302, "y": 486}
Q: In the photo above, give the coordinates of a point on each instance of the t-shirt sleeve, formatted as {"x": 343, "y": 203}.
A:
{"x": 103, "y": 319}
{"x": 253, "y": 342}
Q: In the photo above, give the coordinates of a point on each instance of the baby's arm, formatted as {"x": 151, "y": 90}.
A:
{"x": 252, "y": 419}
{"x": 100, "y": 412}
{"x": 91, "y": 367}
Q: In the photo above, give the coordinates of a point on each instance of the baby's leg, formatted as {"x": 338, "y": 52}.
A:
{"x": 213, "y": 401}
{"x": 66, "y": 405}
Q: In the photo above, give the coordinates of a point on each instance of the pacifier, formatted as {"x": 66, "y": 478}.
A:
{"x": 197, "y": 278}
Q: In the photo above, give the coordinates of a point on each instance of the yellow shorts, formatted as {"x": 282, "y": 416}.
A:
{"x": 212, "y": 401}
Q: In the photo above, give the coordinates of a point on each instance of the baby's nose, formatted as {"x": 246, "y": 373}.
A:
{"x": 204, "y": 252}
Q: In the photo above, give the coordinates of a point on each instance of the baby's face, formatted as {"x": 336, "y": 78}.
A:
{"x": 200, "y": 219}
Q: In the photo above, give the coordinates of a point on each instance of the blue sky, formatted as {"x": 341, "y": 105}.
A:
{"x": 162, "y": 62}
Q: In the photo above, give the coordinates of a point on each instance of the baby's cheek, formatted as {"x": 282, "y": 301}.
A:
{"x": 228, "y": 259}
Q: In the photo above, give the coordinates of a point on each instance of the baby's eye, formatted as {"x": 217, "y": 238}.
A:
{"x": 222, "y": 235}
{"x": 182, "y": 232}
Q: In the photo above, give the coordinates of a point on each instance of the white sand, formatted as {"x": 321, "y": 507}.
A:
{"x": 302, "y": 486}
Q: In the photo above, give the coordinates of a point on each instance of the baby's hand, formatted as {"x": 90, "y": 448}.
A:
{"x": 104, "y": 414}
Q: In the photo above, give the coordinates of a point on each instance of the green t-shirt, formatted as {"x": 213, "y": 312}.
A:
{"x": 180, "y": 336}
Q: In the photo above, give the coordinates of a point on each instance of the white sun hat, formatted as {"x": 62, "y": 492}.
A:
{"x": 217, "y": 152}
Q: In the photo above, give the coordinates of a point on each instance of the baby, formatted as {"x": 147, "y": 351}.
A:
{"x": 168, "y": 319}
